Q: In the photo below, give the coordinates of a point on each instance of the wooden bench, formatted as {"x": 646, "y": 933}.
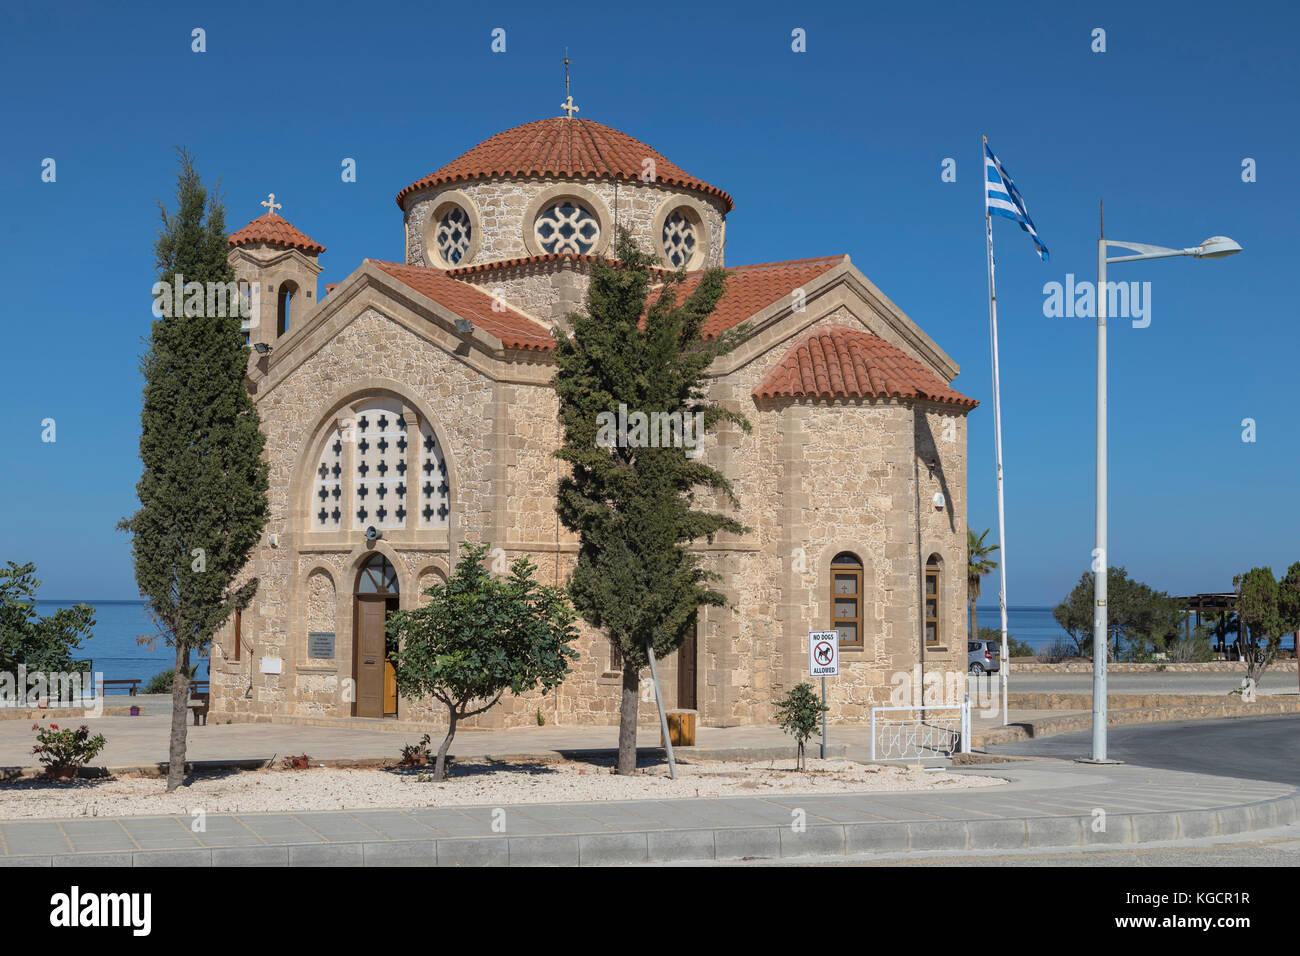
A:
{"x": 200, "y": 699}
{"x": 132, "y": 685}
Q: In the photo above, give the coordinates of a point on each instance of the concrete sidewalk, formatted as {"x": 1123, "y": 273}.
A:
{"x": 1046, "y": 804}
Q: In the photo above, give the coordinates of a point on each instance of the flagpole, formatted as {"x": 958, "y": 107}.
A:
{"x": 1005, "y": 663}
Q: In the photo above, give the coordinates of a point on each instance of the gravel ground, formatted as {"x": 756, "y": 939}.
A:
{"x": 471, "y": 783}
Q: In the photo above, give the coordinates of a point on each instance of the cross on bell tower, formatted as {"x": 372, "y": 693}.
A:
{"x": 271, "y": 205}
{"x": 567, "y": 106}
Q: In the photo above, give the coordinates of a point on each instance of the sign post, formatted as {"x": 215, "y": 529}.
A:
{"x": 823, "y": 662}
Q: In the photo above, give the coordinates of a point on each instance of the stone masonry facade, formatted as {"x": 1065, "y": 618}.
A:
{"x": 816, "y": 476}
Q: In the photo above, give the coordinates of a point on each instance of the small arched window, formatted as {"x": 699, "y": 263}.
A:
{"x": 377, "y": 576}
{"x": 288, "y": 290}
{"x": 846, "y": 598}
{"x": 933, "y": 591}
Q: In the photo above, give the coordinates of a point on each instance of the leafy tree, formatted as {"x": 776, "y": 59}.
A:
{"x": 634, "y": 507}
{"x": 798, "y": 713}
{"x": 202, "y": 495}
{"x": 979, "y": 562}
{"x": 1268, "y": 610}
{"x": 39, "y": 643}
{"x": 1135, "y": 612}
{"x": 480, "y": 636}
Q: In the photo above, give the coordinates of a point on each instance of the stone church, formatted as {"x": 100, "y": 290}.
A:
{"x": 409, "y": 409}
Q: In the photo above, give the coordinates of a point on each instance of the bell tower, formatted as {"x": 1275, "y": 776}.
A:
{"x": 276, "y": 267}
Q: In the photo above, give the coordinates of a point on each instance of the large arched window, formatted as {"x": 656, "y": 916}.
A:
{"x": 846, "y": 598}
{"x": 374, "y": 470}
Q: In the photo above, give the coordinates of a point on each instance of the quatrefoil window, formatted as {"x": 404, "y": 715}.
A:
{"x": 452, "y": 237}
{"x": 566, "y": 227}
{"x": 680, "y": 239}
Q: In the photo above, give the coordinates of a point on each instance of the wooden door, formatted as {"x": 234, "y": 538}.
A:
{"x": 686, "y": 657}
{"x": 368, "y": 656}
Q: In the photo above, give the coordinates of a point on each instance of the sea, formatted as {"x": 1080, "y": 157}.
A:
{"x": 112, "y": 647}
{"x": 117, "y": 655}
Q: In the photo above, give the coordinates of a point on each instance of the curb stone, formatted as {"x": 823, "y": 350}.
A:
{"x": 721, "y": 843}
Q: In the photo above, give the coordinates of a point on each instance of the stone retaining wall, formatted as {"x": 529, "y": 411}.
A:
{"x": 1031, "y": 666}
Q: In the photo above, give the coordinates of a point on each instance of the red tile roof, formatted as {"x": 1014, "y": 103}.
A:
{"x": 751, "y": 289}
{"x": 563, "y": 148}
{"x": 841, "y": 362}
{"x": 278, "y": 232}
{"x": 513, "y": 328}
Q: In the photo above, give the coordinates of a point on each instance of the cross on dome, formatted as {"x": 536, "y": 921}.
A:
{"x": 270, "y": 204}
{"x": 567, "y": 106}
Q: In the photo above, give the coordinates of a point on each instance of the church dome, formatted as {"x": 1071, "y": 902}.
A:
{"x": 563, "y": 148}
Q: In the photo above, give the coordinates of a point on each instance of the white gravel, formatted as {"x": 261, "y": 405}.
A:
{"x": 471, "y": 783}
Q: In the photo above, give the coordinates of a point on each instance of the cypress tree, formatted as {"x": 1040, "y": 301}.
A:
{"x": 202, "y": 494}
{"x": 633, "y": 506}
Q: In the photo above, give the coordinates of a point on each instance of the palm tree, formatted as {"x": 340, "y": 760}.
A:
{"x": 978, "y": 564}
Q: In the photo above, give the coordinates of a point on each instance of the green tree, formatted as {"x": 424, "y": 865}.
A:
{"x": 39, "y": 643}
{"x": 202, "y": 494}
{"x": 479, "y": 636}
{"x": 1268, "y": 611}
{"x": 634, "y": 507}
{"x": 1135, "y": 612}
{"x": 798, "y": 713}
{"x": 979, "y": 562}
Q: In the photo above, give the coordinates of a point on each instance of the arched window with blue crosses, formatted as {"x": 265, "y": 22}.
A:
{"x": 372, "y": 484}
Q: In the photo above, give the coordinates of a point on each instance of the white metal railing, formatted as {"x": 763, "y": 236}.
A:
{"x": 929, "y": 731}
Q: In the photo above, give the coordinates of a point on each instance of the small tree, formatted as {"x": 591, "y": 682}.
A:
{"x": 203, "y": 489}
{"x": 979, "y": 562}
{"x": 1268, "y": 610}
{"x": 798, "y": 713}
{"x": 39, "y": 643}
{"x": 480, "y": 636}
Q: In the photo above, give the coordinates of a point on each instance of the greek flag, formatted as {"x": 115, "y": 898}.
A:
{"x": 1001, "y": 198}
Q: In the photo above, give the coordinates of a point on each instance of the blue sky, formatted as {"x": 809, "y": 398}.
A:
{"x": 834, "y": 150}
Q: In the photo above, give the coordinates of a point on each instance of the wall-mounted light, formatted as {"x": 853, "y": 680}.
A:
{"x": 261, "y": 348}
{"x": 464, "y": 326}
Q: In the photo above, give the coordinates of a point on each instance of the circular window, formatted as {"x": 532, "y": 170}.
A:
{"x": 567, "y": 227}
{"x": 452, "y": 236}
{"x": 681, "y": 237}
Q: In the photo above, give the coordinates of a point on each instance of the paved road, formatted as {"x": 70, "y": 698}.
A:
{"x": 1251, "y": 748}
{"x": 1163, "y": 682}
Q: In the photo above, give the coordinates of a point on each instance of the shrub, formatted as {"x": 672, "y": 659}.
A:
{"x": 300, "y": 762}
{"x": 1184, "y": 651}
{"x": 161, "y": 683}
{"x": 798, "y": 713}
{"x": 415, "y": 755}
{"x": 1057, "y": 651}
{"x": 65, "y": 750}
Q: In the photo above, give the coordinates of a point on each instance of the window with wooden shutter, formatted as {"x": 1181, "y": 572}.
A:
{"x": 846, "y": 599}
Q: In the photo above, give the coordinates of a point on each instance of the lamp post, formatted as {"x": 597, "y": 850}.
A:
{"x": 1216, "y": 247}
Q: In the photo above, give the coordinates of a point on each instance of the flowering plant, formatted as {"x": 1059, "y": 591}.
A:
{"x": 65, "y": 749}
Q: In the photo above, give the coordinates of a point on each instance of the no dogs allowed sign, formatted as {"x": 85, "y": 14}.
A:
{"x": 823, "y": 654}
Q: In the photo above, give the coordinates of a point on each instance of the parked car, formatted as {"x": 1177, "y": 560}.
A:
{"x": 983, "y": 657}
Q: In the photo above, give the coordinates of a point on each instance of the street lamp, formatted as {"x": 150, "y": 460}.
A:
{"x": 1216, "y": 247}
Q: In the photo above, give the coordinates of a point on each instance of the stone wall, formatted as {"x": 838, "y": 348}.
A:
{"x": 503, "y": 215}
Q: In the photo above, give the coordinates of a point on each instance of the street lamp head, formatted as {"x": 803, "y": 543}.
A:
{"x": 1216, "y": 247}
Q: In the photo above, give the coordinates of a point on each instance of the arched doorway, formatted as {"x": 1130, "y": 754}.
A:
{"x": 375, "y": 598}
